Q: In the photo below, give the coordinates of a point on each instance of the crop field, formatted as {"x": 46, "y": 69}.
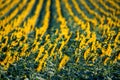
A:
{"x": 59, "y": 39}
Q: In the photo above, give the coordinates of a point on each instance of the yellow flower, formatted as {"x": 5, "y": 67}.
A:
{"x": 118, "y": 57}
{"x": 105, "y": 61}
{"x": 42, "y": 62}
{"x": 64, "y": 60}
{"x": 109, "y": 50}
{"x": 77, "y": 38}
{"x": 53, "y": 49}
{"x": 40, "y": 53}
{"x": 86, "y": 53}
{"x": 117, "y": 38}
{"x": 39, "y": 68}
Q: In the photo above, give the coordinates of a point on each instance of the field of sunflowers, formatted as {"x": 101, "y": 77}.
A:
{"x": 59, "y": 39}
